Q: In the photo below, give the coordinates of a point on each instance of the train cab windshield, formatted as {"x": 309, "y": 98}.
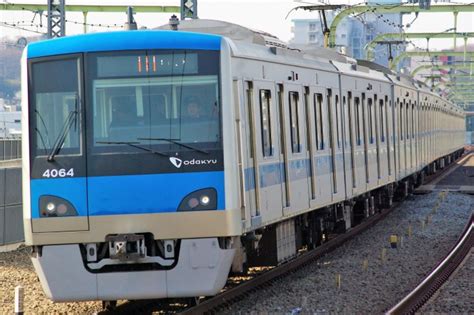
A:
{"x": 127, "y": 103}
{"x": 161, "y": 100}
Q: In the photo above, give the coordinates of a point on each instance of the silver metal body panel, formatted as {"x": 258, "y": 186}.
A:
{"x": 202, "y": 269}
{"x": 335, "y": 173}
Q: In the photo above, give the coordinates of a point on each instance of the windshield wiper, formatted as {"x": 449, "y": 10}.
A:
{"x": 44, "y": 125}
{"x": 176, "y": 142}
{"x": 71, "y": 118}
{"x": 133, "y": 145}
{"x": 42, "y": 140}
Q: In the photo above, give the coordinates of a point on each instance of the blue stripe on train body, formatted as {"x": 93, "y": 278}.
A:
{"x": 124, "y": 40}
{"x": 273, "y": 173}
{"x": 131, "y": 194}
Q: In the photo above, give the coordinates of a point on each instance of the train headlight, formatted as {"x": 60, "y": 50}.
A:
{"x": 50, "y": 207}
{"x": 203, "y": 199}
{"x": 53, "y": 206}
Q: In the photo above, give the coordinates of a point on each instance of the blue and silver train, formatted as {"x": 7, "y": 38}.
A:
{"x": 158, "y": 161}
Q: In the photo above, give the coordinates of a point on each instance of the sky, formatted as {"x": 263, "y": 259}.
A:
{"x": 272, "y": 16}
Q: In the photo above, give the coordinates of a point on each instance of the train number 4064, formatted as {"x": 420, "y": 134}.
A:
{"x": 53, "y": 173}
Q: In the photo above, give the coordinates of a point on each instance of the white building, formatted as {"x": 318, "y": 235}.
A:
{"x": 352, "y": 33}
{"x": 10, "y": 124}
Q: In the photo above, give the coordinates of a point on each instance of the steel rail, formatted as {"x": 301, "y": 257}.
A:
{"x": 423, "y": 292}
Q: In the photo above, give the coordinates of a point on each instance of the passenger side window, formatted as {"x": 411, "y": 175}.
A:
{"x": 346, "y": 121}
{"x": 318, "y": 118}
{"x": 407, "y": 118}
{"x": 357, "y": 120}
{"x": 371, "y": 130}
{"x": 349, "y": 119}
{"x": 329, "y": 118}
{"x": 265, "y": 120}
{"x": 338, "y": 133}
{"x": 401, "y": 120}
{"x": 249, "y": 94}
{"x": 382, "y": 130}
{"x": 294, "y": 122}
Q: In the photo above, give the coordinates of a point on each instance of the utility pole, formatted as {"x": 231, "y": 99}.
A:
{"x": 389, "y": 46}
{"x": 322, "y": 10}
{"x": 56, "y": 18}
{"x": 189, "y": 9}
{"x": 131, "y": 25}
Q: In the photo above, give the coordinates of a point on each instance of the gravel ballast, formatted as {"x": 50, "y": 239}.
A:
{"x": 366, "y": 275}
{"x": 16, "y": 269}
{"x": 457, "y": 295}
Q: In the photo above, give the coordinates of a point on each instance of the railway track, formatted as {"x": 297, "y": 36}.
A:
{"x": 440, "y": 274}
{"x": 458, "y": 178}
{"x": 238, "y": 289}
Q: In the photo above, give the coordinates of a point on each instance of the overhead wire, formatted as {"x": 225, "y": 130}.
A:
{"x": 15, "y": 26}
{"x": 115, "y": 25}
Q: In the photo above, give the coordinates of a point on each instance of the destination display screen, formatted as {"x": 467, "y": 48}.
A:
{"x": 147, "y": 64}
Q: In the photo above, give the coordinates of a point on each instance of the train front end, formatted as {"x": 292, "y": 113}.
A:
{"x": 124, "y": 188}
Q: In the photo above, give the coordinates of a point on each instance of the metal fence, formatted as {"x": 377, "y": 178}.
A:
{"x": 11, "y": 216}
{"x": 10, "y": 149}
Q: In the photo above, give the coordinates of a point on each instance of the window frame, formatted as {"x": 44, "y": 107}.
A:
{"x": 266, "y": 138}
{"x": 293, "y": 106}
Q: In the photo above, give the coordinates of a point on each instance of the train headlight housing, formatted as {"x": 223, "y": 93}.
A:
{"x": 53, "y": 206}
{"x": 203, "y": 199}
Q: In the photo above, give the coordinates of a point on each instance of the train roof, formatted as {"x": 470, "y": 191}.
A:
{"x": 246, "y": 42}
{"x": 360, "y": 70}
{"x": 124, "y": 40}
{"x": 229, "y": 30}
{"x": 243, "y": 34}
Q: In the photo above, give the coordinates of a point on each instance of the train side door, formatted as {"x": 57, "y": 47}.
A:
{"x": 378, "y": 149}
{"x": 318, "y": 166}
{"x": 267, "y": 151}
{"x": 409, "y": 133}
{"x": 366, "y": 139}
{"x": 392, "y": 123}
{"x": 335, "y": 142}
{"x": 283, "y": 152}
{"x": 402, "y": 130}
{"x": 360, "y": 183}
{"x": 372, "y": 151}
{"x": 310, "y": 144}
{"x": 317, "y": 126}
{"x": 250, "y": 164}
{"x": 348, "y": 142}
{"x": 297, "y": 162}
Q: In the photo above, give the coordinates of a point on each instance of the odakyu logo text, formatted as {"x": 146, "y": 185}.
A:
{"x": 178, "y": 162}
